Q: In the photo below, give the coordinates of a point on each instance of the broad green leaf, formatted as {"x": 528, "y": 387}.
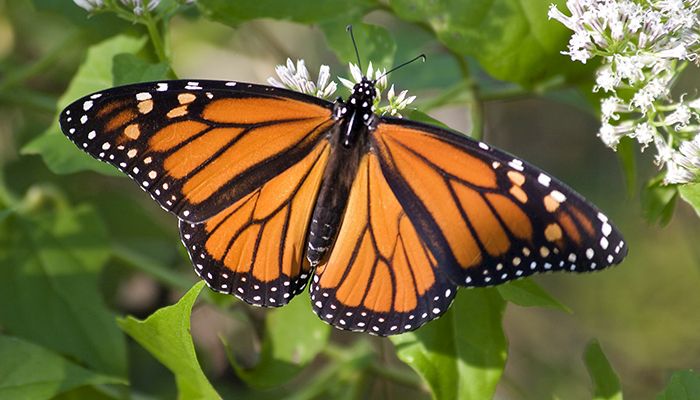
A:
{"x": 49, "y": 265}
{"x": 511, "y": 39}
{"x": 304, "y": 11}
{"x": 684, "y": 385}
{"x": 294, "y": 335}
{"x": 374, "y": 43}
{"x": 659, "y": 201}
{"x": 28, "y": 371}
{"x": 462, "y": 354}
{"x": 95, "y": 74}
{"x": 416, "y": 115}
{"x": 527, "y": 293}
{"x": 691, "y": 194}
{"x": 127, "y": 68}
{"x": 606, "y": 384}
{"x": 166, "y": 335}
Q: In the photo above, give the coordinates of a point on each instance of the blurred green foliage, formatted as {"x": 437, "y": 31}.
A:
{"x": 81, "y": 250}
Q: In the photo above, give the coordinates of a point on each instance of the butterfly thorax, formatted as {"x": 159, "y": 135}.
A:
{"x": 356, "y": 112}
{"x": 354, "y": 119}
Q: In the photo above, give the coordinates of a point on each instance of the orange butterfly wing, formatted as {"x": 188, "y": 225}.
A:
{"x": 380, "y": 277}
{"x": 487, "y": 216}
{"x": 198, "y": 147}
{"x": 239, "y": 164}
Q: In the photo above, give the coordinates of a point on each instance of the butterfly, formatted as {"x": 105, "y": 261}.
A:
{"x": 383, "y": 217}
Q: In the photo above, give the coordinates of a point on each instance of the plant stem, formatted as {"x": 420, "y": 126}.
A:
{"x": 156, "y": 38}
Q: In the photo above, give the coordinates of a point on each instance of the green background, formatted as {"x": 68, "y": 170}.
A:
{"x": 96, "y": 294}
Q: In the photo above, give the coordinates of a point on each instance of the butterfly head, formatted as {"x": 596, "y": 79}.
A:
{"x": 362, "y": 98}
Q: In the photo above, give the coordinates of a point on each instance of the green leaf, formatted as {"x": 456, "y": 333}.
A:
{"x": 49, "y": 265}
{"x": 462, "y": 354}
{"x": 691, "y": 194}
{"x": 511, "y": 39}
{"x": 684, "y": 385}
{"x": 628, "y": 159}
{"x": 304, "y": 11}
{"x": 527, "y": 293}
{"x": 28, "y": 371}
{"x": 294, "y": 335}
{"x": 128, "y": 68}
{"x": 659, "y": 201}
{"x": 166, "y": 335}
{"x": 95, "y": 74}
{"x": 606, "y": 384}
{"x": 420, "y": 116}
{"x": 374, "y": 43}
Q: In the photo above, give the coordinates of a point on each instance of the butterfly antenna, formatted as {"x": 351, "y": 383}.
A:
{"x": 354, "y": 44}
{"x": 421, "y": 57}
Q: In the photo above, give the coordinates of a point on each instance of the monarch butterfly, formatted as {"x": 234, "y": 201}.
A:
{"x": 385, "y": 217}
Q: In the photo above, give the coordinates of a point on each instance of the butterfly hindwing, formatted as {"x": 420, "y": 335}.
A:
{"x": 489, "y": 217}
{"x": 197, "y": 147}
{"x": 380, "y": 277}
{"x": 254, "y": 249}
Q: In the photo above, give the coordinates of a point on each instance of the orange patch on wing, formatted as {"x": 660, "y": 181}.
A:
{"x": 119, "y": 120}
{"x": 516, "y": 177}
{"x": 512, "y": 216}
{"x": 432, "y": 190}
{"x": 518, "y": 193}
{"x": 550, "y": 204}
{"x": 112, "y": 106}
{"x": 174, "y": 134}
{"x": 569, "y": 226}
{"x": 418, "y": 259}
{"x": 254, "y": 147}
{"x": 553, "y": 232}
{"x": 352, "y": 229}
{"x": 352, "y": 289}
{"x": 384, "y": 210}
{"x": 224, "y": 226}
{"x": 252, "y": 110}
{"x": 448, "y": 157}
{"x": 177, "y": 112}
{"x": 266, "y": 264}
{"x": 405, "y": 300}
{"x": 486, "y": 225}
{"x": 240, "y": 256}
{"x": 132, "y": 131}
{"x": 583, "y": 220}
{"x": 380, "y": 294}
{"x": 198, "y": 151}
{"x": 145, "y": 106}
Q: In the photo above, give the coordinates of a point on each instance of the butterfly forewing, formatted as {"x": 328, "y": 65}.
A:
{"x": 489, "y": 217}
{"x": 197, "y": 147}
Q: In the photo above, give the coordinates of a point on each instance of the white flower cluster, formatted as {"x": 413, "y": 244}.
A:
{"x": 137, "y": 6}
{"x": 644, "y": 47}
{"x": 296, "y": 77}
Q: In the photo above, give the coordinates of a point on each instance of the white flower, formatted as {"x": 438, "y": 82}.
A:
{"x": 606, "y": 79}
{"x": 611, "y": 134}
{"x": 89, "y": 5}
{"x": 645, "y": 133}
{"x": 644, "y": 99}
{"x": 396, "y": 103}
{"x": 297, "y": 78}
{"x": 680, "y": 117}
{"x": 610, "y": 107}
{"x": 138, "y": 5}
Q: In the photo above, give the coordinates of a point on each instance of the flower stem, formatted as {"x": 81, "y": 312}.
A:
{"x": 156, "y": 38}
